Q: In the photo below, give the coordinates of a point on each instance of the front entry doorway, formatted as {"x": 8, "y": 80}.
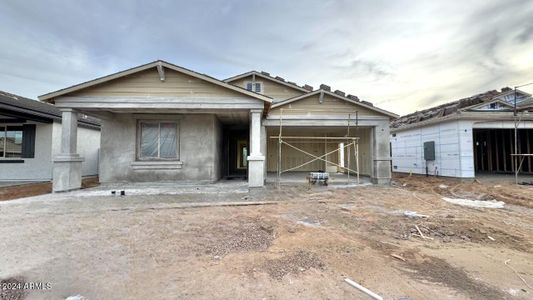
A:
{"x": 236, "y": 152}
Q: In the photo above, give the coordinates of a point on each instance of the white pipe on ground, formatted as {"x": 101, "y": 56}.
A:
{"x": 363, "y": 289}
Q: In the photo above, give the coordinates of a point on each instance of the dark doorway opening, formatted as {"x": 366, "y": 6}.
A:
{"x": 235, "y": 151}
{"x": 493, "y": 149}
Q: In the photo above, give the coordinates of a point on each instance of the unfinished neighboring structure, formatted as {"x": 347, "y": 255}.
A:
{"x": 162, "y": 122}
{"x": 464, "y": 138}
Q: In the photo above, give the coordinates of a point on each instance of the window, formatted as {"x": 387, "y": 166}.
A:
{"x": 254, "y": 87}
{"x": 242, "y": 154}
{"x": 158, "y": 141}
{"x": 10, "y": 141}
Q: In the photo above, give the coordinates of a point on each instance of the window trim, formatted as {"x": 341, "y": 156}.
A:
{"x": 3, "y": 158}
{"x": 139, "y": 137}
{"x": 253, "y": 88}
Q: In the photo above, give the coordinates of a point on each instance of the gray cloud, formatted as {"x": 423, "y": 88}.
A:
{"x": 396, "y": 53}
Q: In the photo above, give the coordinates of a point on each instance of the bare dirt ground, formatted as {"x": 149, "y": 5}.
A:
{"x": 301, "y": 247}
{"x": 39, "y": 188}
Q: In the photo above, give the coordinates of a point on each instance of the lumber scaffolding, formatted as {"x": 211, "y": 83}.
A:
{"x": 346, "y": 142}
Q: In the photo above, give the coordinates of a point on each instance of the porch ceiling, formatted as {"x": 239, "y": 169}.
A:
{"x": 239, "y": 117}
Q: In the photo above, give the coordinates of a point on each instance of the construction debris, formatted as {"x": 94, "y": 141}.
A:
{"x": 363, "y": 289}
{"x": 414, "y": 214}
{"x": 521, "y": 278}
{"x": 476, "y": 203}
{"x": 398, "y": 257}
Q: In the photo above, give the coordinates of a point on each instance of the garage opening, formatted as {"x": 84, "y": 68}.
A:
{"x": 493, "y": 149}
{"x": 314, "y": 143}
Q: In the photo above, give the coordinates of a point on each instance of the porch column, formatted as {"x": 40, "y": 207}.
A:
{"x": 67, "y": 164}
{"x": 381, "y": 167}
{"x": 256, "y": 166}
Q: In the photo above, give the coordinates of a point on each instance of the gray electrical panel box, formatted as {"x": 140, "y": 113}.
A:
{"x": 429, "y": 150}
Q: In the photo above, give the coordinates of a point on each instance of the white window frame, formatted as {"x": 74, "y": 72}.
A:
{"x": 158, "y": 158}
{"x": 5, "y": 125}
{"x": 261, "y": 85}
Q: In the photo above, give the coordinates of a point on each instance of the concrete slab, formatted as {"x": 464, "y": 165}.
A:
{"x": 335, "y": 179}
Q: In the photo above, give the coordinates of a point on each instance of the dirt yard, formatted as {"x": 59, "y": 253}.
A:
{"x": 302, "y": 246}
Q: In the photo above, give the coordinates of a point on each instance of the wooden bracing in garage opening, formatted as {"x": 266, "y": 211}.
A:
{"x": 348, "y": 143}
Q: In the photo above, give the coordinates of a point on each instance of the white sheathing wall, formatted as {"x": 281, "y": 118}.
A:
{"x": 453, "y": 150}
{"x": 38, "y": 168}
{"x": 88, "y": 147}
{"x": 466, "y": 148}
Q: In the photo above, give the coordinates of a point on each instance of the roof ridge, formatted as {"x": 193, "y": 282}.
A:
{"x": 269, "y": 76}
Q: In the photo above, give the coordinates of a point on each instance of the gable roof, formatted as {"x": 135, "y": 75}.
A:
{"x": 364, "y": 104}
{"x": 454, "y": 108}
{"x": 267, "y": 76}
{"x": 37, "y": 108}
{"x": 155, "y": 64}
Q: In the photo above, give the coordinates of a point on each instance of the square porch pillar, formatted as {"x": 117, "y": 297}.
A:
{"x": 256, "y": 159}
{"x": 67, "y": 164}
{"x": 381, "y": 168}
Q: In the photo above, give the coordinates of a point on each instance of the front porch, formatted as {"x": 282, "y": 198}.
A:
{"x": 161, "y": 123}
{"x": 174, "y": 147}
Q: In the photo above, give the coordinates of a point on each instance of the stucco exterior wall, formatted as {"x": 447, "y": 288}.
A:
{"x": 199, "y": 137}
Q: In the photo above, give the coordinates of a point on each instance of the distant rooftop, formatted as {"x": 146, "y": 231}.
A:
{"x": 37, "y": 108}
{"x": 506, "y": 95}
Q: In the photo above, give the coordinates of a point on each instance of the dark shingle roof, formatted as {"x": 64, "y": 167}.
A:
{"x": 37, "y": 108}
{"x": 444, "y": 110}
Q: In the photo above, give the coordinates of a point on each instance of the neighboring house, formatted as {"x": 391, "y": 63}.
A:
{"x": 30, "y": 135}
{"x": 162, "y": 122}
{"x": 470, "y": 136}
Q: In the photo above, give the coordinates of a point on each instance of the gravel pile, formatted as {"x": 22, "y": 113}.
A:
{"x": 245, "y": 235}
{"x": 294, "y": 264}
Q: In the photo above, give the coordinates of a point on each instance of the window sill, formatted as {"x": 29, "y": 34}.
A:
{"x": 156, "y": 165}
{"x": 11, "y": 161}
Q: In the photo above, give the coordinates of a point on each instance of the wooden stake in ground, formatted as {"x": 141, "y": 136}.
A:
{"x": 423, "y": 236}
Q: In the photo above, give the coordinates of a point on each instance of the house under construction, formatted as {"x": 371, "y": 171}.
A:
{"x": 468, "y": 137}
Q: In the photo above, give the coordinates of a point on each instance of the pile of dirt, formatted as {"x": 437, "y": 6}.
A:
{"x": 293, "y": 264}
{"x": 12, "y": 288}
{"x": 236, "y": 235}
{"x": 439, "y": 271}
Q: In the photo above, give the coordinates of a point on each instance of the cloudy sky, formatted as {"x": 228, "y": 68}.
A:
{"x": 401, "y": 55}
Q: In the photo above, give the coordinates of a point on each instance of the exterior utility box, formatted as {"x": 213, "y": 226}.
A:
{"x": 429, "y": 150}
